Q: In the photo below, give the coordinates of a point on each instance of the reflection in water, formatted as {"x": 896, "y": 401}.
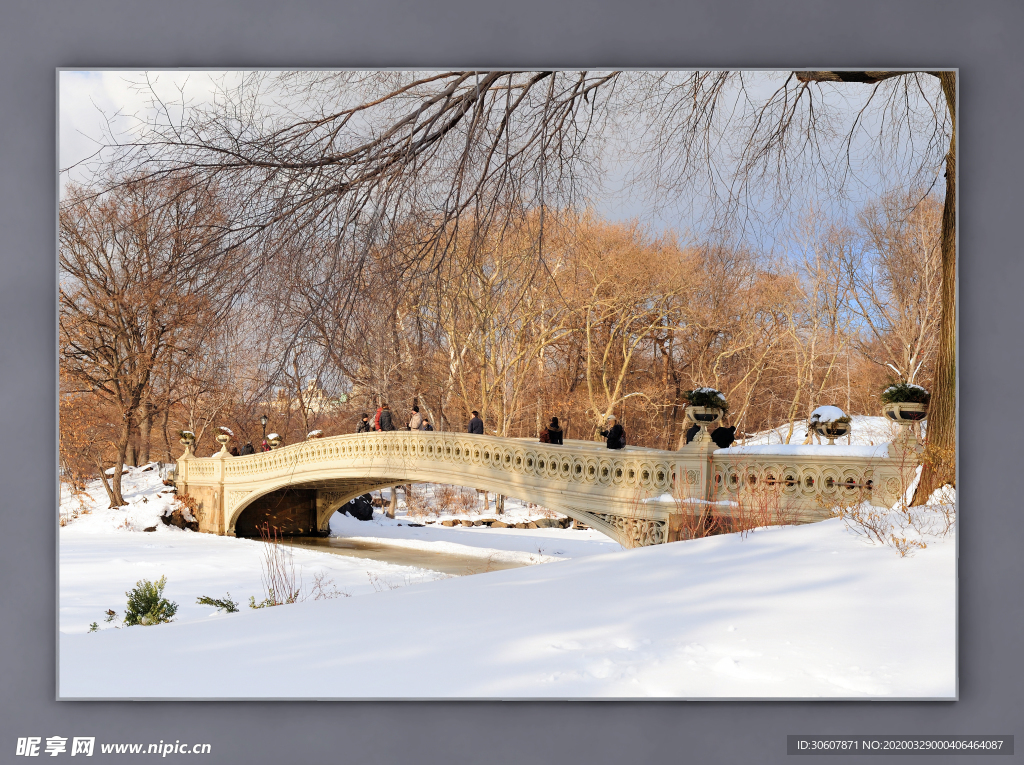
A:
{"x": 447, "y": 563}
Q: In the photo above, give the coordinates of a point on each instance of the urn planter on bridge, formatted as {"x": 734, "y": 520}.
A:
{"x": 188, "y": 440}
{"x": 829, "y": 422}
{"x": 832, "y": 430}
{"x": 706, "y": 417}
{"x": 706, "y": 407}
{"x": 906, "y": 413}
{"x": 906, "y": 405}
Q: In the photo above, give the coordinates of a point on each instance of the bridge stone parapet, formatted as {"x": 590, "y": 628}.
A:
{"x": 614, "y": 491}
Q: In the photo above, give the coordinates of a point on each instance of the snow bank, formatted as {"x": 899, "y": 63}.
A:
{"x": 810, "y": 450}
{"x": 796, "y": 612}
{"x": 864, "y": 430}
{"x": 669, "y": 499}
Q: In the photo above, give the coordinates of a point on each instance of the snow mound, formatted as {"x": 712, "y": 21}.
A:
{"x": 810, "y": 450}
{"x": 865, "y": 430}
{"x": 827, "y": 414}
{"x": 795, "y": 612}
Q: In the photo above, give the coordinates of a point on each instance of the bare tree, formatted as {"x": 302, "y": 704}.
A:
{"x": 138, "y": 281}
{"x": 895, "y": 282}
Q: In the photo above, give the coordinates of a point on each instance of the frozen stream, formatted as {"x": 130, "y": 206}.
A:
{"x": 444, "y": 562}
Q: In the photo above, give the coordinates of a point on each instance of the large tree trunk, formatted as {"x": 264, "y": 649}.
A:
{"x": 940, "y": 450}
{"x": 168, "y": 457}
{"x": 145, "y": 429}
{"x": 106, "y": 484}
{"x": 116, "y": 498}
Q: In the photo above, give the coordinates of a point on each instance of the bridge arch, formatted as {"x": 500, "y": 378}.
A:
{"x": 331, "y": 495}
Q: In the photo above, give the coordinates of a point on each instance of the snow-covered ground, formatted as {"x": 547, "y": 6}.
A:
{"x": 104, "y": 552}
{"x": 865, "y": 430}
{"x": 785, "y": 612}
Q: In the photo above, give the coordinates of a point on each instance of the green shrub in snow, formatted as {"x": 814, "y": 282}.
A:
{"x": 146, "y": 604}
{"x": 225, "y": 604}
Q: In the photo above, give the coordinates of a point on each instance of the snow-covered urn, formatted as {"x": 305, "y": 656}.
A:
{"x": 274, "y": 440}
{"x": 829, "y": 422}
{"x": 314, "y": 434}
{"x": 706, "y": 408}
{"x": 188, "y": 440}
{"x": 223, "y": 437}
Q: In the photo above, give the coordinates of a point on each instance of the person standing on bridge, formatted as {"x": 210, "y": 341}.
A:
{"x": 364, "y": 425}
{"x": 476, "y": 425}
{"x": 615, "y": 433}
{"x": 555, "y": 432}
{"x": 376, "y": 417}
{"x": 247, "y": 449}
{"x": 416, "y": 421}
{"x": 426, "y": 425}
{"x": 724, "y": 437}
{"x": 386, "y": 423}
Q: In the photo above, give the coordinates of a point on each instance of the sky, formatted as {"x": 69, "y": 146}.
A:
{"x": 89, "y": 98}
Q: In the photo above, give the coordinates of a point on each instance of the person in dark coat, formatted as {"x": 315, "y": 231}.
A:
{"x": 234, "y": 451}
{"x": 476, "y": 425}
{"x": 555, "y": 432}
{"x": 615, "y": 434}
{"x": 426, "y": 425}
{"x": 723, "y": 437}
{"x": 247, "y": 449}
{"x": 386, "y": 422}
{"x": 364, "y": 425}
{"x": 691, "y": 432}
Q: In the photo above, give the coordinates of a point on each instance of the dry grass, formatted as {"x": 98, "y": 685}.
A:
{"x": 755, "y": 506}
{"x": 188, "y": 506}
{"x": 444, "y": 499}
{"x": 465, "y": 502}
{"x": 759, "y": 506}
{"x": 281, "y": 580}
{"x": 324, "y": 588}
{"x": 419, "y": 506}
{"x": 903, "y": 527}
{"x": 68, "y": 515}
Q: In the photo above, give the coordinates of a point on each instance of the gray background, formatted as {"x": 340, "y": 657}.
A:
{"x": 981, "y": 38}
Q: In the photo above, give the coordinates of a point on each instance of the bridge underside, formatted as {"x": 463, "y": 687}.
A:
{"x": 305, "y": 510}
{"x": 299, "y": 510}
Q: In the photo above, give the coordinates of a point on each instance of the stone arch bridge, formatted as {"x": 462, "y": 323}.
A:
{"x": 622, "y": 493}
